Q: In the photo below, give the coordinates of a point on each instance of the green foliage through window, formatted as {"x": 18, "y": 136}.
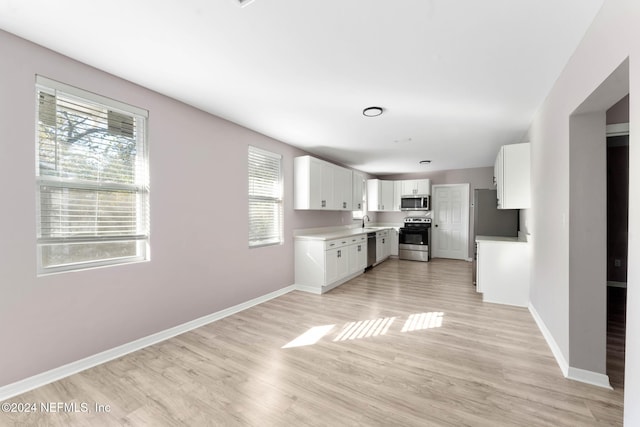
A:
{"x": 92, "y": 177}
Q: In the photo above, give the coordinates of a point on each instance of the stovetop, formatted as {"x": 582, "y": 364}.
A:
{"x": 417, "y": 220}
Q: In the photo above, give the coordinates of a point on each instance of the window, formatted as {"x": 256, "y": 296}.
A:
{"x": 92, "y": 180}
{"x": 265, "y": 198}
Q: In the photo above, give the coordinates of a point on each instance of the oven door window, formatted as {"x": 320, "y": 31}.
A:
{"x": 413, "y": 237}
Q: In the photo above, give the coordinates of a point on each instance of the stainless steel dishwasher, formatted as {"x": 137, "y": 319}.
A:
{"x": 371, "y": 249}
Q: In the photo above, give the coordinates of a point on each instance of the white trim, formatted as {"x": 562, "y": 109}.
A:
{"x": 618, "y": 129}
{"x": 319, "y": 290}
{"x": 308, "y": 288}
{"x": 555, "y": 349}
{"x": 589, "y": 377}
{"x": 569, "y": 372}
{"x": 39, "y": 380}
{"x": 90, "y": 96}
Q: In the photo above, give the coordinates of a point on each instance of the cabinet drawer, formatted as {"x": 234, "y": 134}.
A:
{"x": 337, "y": 243}
{"x": 383, "y": 233}
{"x": 357, "y": 239}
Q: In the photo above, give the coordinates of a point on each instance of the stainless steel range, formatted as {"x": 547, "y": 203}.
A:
{"x": 415, "y": 237}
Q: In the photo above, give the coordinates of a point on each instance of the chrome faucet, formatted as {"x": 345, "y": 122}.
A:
{"x": 368, "y": 219}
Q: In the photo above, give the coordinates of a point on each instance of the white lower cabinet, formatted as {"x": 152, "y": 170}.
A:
{"x": 393, "y": 242}
{"x": 337, "y": 264}
{"x": 321, "y": 265}
{"x": 358, "y": 254}
{"x": 383, "y": 245}
{"x": 503, "y": 266}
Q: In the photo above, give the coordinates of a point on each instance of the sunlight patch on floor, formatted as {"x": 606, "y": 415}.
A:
{"x": 420, "y": 321}
{"x": 310, "y": 337}
{"x": 368, "y": 328}
{"x": 365, "y": 329}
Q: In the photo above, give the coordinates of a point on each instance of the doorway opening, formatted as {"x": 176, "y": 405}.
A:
{"x": 588, "y": 312}
{"x": 617, "y": 242}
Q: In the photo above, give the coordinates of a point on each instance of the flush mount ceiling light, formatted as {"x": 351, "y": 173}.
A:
{"x": 244, "y": 3}
{"x": 372, "y": 111}
{"x": 402, "y": 141}
{"x": 425, "y": 162}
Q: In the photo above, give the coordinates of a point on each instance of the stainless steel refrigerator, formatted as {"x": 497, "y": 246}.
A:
{"x": 488, "y": 220}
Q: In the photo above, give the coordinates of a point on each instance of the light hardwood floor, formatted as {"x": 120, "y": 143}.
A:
{"x": 463, "y": 363}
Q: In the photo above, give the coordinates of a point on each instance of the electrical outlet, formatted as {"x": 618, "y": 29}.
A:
{"x": 617, "y": 263}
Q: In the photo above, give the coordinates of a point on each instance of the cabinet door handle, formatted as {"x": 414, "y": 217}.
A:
{"x": 339, "y": 254}
{"x": 324, "y": 203}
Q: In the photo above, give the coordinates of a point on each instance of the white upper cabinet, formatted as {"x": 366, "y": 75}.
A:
{"x": 320, "y": 185}
{"x": 416, "y": 187}
{"x": 358, "y": 191}
{"x": 342, "y": 188}
{"x": 380, "y": 195}
{"x": 397, "y": 195}
{"x": 313, "y": 185}
{"x": 512, "y": 176}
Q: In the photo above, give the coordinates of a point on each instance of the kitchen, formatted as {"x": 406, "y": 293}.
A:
{"x": 326, "y": 258}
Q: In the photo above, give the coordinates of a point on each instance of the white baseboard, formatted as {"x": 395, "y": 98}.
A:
{"x": 311, "y": 289}
{"x": 569, "y": 372}
{"x": 555, "y": 349}
{"x": 589, "y": 377}
{"x": 10, "y": 390}
{"x": 319, "y": 290}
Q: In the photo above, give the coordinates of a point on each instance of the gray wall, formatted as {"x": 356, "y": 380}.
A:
{"x": 475, "y": 177}
{"x": 619, "y": 113}
{"x": 611, "y": 39}
{"x": 587, "y": 243}
{"x": 200, "y": 260}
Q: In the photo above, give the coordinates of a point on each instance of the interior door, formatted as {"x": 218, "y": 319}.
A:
{"x": 450, "y": 228}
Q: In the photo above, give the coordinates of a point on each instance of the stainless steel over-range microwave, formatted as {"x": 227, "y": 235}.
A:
{"x": 415, "y": 203}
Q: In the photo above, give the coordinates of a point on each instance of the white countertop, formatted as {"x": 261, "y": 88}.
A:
{"x": 499, "y": 239}
{"x": 347, "y": 232}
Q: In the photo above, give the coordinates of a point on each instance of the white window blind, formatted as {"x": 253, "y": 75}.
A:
{"x": 265, "y": 197}
{"x": 92, "y": 180}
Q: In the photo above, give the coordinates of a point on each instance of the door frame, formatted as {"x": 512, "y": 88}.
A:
{"x": 465, "y": 210}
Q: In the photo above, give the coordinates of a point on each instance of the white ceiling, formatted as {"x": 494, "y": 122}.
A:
{"x": 456, "y": 78}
